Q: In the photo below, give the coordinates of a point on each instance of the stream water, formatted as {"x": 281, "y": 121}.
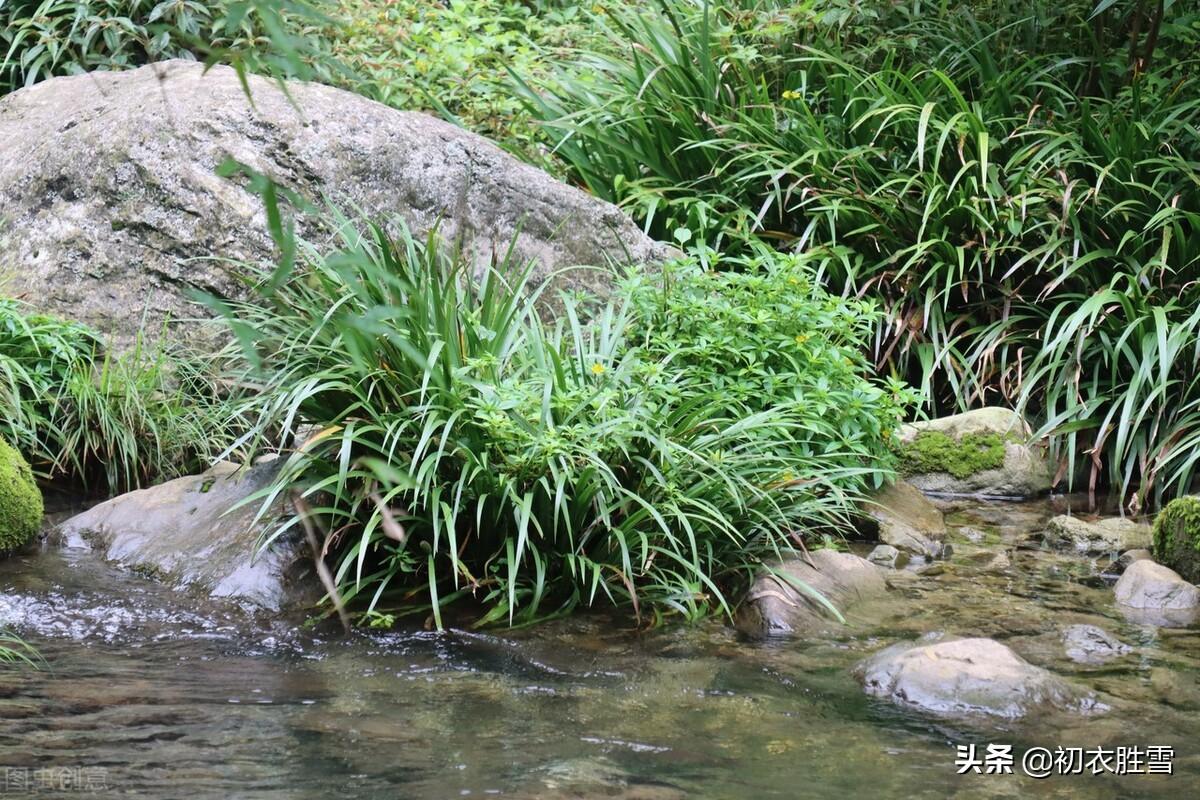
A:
{"x": 151, "y": 693}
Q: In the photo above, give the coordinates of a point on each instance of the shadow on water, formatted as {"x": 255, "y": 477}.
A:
{"x": 160, "y": 695}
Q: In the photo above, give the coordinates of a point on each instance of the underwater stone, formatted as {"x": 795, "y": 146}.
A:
{"x": 966, "y": 677}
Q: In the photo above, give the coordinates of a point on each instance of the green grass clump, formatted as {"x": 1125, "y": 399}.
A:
{"x": 1177, "y": 537}
{"x": 40, "y": 39}
{"x": 934, "y": 451}
{"x": 16, "y": 652}
{"x": 20, "y": 501}
{"x": 1014, "y": 181}
{"x": 101, "y": 422}
{"x": 458, "y": 447}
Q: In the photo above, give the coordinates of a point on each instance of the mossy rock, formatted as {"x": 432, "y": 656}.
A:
{"x": 934, "y": 451}
{"x": 984, "y": 452}
{"x": 20, "y": 501}
{"x": 1177, "y": 537}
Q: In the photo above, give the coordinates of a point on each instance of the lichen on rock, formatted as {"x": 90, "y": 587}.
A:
{"x": 20, "y": 500}
{"x": 1177, "y": 537}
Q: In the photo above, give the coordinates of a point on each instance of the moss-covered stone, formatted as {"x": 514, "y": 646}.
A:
{"x": 1177, "y": 537}
{"x": 20, "y": 500}
{"x": 933, "y": 451}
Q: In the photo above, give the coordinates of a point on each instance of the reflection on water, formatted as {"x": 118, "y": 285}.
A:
{"x": 173, "y": 698}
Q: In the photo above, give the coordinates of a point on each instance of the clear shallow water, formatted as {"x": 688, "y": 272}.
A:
{"x": 164, "y": 696}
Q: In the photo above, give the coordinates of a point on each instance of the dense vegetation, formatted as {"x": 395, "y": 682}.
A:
{"x": 651, "y": 457}
{"x": 102, "y": 423}
{"x": 994, "y": 201}
{"x": 1016, "y": 181}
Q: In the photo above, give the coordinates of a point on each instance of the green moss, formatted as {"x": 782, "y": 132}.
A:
{"x": 1177, "y": 537}
{"x": 932, "y": 451}
{"x": 20, "y": 500}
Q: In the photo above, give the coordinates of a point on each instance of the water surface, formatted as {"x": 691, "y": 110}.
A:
{"x": 161, "y": 695}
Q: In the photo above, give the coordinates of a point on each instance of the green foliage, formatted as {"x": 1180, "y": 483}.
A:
{"x": 14, "y": 651}
{"x": 452, "y": 58}
{"x": 1177, "y": 537}
{"x": 934, "y": 451}
{"x": 463, "y": 448}
{"x": 103, "y": 422}
{"x": 20, "y": 500}
{"x": 40, "y": 39}
{"x": 1017, "y": 188}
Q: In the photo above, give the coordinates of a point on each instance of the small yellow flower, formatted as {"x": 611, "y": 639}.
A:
{"x": 598, "y": 369}
{"x": 791, "y": 95}
{"x": 802, "y": 338}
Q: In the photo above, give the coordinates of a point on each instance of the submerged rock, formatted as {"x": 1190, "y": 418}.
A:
{"x": 20, "y": 500}
{"x": 191, "y": 533}
{"x": 777, "y": 605}
{"x": 885, "y": 555}
{"x": 1102, "y": 536}
{"x": 964, "y": 677}
{"x": 1156, "y": 595}
{"x": 900, "y": 516}
{"x": 123, "y": 215}
{"x": 1177, "y": 537}
{"x": 983, "y": 452}
{"x": 1087, "y": 644}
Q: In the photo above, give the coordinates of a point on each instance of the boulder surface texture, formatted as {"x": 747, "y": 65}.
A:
{"x": 197, "y": 533}
{"x": 111, "y": 208}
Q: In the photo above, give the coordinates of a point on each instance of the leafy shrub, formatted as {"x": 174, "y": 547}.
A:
{"x": 1021, "y": 197}
{"x": 103, "y": 422}
{"x": 457, "y": 445}
{"x": 43, "y": 38}
{"x": 453, "y": 58}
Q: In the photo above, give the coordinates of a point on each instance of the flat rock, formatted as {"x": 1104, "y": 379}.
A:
{"x": 777, "y": 605}
{"x": 1087, "y": 644}
{"x": 901, "y": 516}
{"x": 1022, "y": 472}
{"x": 1107, "y": 535}
{"x": 191, "y": 533}
{"x": 885, "y": 555}
{"x": 1152, "y": 594}
{"x": 112, "y": 208}
{"x": 967, "y": 677}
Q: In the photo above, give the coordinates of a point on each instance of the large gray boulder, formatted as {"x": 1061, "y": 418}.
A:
{"x": 110, "y": 207}
{"x": 1156, "y": 595}
{"x": 779, "y": 605}
{"x": 966, "y": 677}
{"x": 192, "y": 533}
{"x": 900, "y": 516}
{"x": 985, "y": 452}
{"x": 1112, "y": 534}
